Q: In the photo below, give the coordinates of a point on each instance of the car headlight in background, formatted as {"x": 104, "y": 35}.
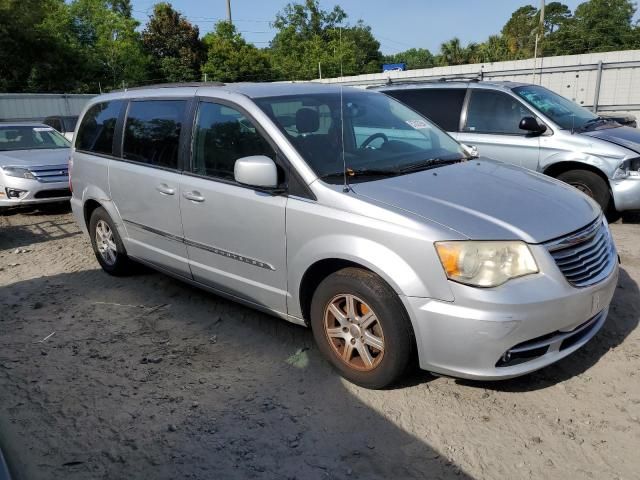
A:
{"x": 628, "y": 168}
{"x": 485, "y": 264}
{"x": 18, "y": 172}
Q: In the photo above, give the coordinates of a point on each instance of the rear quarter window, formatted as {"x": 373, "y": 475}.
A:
{"x": 442, "y": 106}
{"x": 98, "y": 127}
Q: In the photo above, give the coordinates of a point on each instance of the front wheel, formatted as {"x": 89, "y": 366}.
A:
{"x": 361, "y": 327}
{"x": 590, "y": 184}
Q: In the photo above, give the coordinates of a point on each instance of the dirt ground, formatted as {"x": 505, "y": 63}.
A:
{"x": 147, "y": 378}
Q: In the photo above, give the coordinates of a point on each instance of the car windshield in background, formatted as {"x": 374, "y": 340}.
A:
{"x": 380, "y": 136}
{"x": 25, "y": 137}
{"x": 567, "y": 114}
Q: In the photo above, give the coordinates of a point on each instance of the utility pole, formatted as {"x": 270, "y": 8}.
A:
{"x": 229, "y": 11}
{"x": 539, "y": 36}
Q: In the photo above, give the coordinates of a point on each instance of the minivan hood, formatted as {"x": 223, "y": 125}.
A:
{"x": 33, "y": 158}
{"x": 624, "y": 136}
{"x": 487, "y": 200}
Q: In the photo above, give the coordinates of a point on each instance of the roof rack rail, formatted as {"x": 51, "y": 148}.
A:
{"x": 401, "y": 81}
{"x": 174, "y": 85}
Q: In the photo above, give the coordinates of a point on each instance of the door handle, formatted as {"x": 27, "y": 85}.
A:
{"x": 165, "y": 189}
{"x": 193, "y": 196}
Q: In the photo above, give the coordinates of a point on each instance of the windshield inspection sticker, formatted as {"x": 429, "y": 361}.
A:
{"x": 417, "y": 124}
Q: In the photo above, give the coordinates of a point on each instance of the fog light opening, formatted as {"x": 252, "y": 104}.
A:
{"x": 15, "y": 192}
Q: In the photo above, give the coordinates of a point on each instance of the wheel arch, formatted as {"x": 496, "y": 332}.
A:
{"x": 557, "y": 168}
{"x": 314, "y": 275}
{"x": 323, "y": 255}
{"x": 88, "y": 208}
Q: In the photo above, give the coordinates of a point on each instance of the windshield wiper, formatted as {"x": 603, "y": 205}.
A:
{"x": 430, "y": 163}
{"x": 594, "y": 121}
{"x": 362, "y": 172}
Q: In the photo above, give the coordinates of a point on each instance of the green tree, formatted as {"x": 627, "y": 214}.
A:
{"x": 109, "y": 45}
{"x": 231, "y": 59}
{"x": 596, "y": 26}
{"x": 122, "y": 7}
{"x": 452, "y": 53}
{"x": 37, "y": 47}
{"x": 308, "y": 36}
{"x": 520, "y": 31}
{"x": 414, "y": 58}
{"x": 173, "y": 45}
{"x": 494, "y": 49}
{"x": 556, "y": 15}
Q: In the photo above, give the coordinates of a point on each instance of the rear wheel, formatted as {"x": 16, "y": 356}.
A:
{"x": 590, "y": 184}
{"x": 361, "y": 327}
{"x": 107, "y": 244}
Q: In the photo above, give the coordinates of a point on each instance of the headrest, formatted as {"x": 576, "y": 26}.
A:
{"x": 307, "y": 120}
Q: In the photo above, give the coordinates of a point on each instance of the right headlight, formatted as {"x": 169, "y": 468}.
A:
{"x": 485, "y": 263}
{"x": 628, "y": 168}
{"x": 17, "y": 172}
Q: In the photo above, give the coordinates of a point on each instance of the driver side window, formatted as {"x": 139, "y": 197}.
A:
{"x": 223, "y": 135}
{"x": 495, "y": 112}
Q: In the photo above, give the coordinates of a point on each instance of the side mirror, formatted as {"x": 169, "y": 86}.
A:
{"x": 530, "y": 124}
{"x": 256, "y": 171}
{"x": 470, "y": 150}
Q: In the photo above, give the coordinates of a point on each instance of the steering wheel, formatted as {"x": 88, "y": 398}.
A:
{"x": 373, "y": 137}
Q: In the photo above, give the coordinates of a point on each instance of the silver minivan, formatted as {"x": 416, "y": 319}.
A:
{"x": 346, "y": 211}
{"x": 531, "y": 126}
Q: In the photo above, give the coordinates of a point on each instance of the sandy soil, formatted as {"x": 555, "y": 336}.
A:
{"x": 145, "y": 377}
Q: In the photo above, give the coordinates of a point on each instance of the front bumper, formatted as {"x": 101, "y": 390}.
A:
{"x": 31, "y": 192}
{"x": 626, "y": 193}
{"x": 483, "y": 333}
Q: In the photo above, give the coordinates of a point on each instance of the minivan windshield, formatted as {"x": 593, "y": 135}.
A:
{"x": 27, "y": 137}
{"x": 376, "y": 135}
{"x": 567, "y": 114}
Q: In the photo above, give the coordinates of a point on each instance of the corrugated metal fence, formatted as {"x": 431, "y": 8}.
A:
{"x": 603, "y": 82}
{"x": 37, "y": 106}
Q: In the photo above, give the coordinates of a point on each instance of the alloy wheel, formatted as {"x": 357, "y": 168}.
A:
{"x": 104, "y": 242}
{"x": 354, "y": 332}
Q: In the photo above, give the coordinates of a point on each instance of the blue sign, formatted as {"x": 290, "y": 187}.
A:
{"x": 394, "y": 67}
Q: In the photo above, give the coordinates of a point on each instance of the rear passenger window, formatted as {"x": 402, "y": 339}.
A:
{"x": 222, "y": 136}
{"x": 442, "y": 106}
{"x": 152, "y": 132}
{"x": 98, "y": 126}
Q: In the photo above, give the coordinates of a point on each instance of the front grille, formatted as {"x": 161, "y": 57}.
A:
{"x": 50, "y": 173}
{"x": 585, "y": 257}
{"x": 556, "y": 341}
{"x": 56, "y": 193}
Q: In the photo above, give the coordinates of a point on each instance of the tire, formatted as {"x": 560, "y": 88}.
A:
{"x": 111, "y": 255}
{"x": 590, "y": 184}
{"x": 379, "y": 319}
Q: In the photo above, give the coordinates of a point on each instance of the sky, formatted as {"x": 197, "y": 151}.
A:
{"x": 398, "y": 25}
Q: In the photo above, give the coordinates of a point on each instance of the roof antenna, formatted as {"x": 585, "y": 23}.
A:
{"x": 345, "y": 187}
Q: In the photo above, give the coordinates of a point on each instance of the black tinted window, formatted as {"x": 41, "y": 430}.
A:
{"x": 441, "y": 106}
{"x": 54, "y": 123}
{"x": 152, "y": 132}
{"x": 495, "y": 112}
{"x": 98, "y": 126}
{"x": 223, "y": 135}
{"x": 69, "y": 123}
